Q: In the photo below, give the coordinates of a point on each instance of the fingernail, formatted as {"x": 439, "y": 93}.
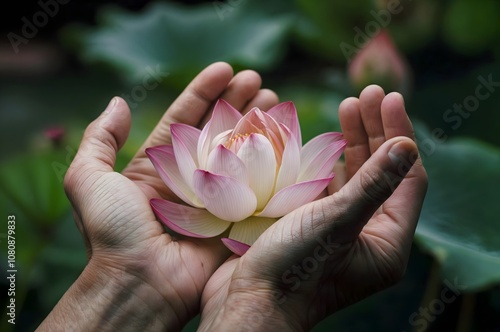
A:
{"x": 110, "y": 106}
{"x": 402, "y": 157}
{"x": 395, "y": 152}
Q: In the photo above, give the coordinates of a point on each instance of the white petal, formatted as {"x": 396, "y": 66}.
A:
{"x": 163, "y": 160}
{"x": 220, "y": 139}
{"x": 249, "y": 123}
{"x": 290, "y": 164}
{"x": 248, "y": 230}
{"x": 322, "y": 163}
{"x": 257, "y": 154}
{"x": 286, "y": 114}
{"x": 294, "y": 196}
{"x": 189, "y": 135}
{"x": 224, "y": 197}
{"x": 183, "y": 150}
{"x": 311, "y": 148}
{"x": 224, "y": 117}
{"x": 188, "y": 221}
{"x": 316, "y": 152}
{"x": 223, "y": 161}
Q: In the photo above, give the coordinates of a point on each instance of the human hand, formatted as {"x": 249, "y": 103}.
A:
{"x": 337, "y": 250}
{"x": 138, "y": 276}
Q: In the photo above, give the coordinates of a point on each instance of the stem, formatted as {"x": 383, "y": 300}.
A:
{"x": 466, "y": 316}
{"x": 432, "y": 290}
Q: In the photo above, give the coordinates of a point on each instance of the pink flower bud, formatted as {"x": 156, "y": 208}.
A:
{"x": 55, "y": 135}
{"x": 379, "y": 62}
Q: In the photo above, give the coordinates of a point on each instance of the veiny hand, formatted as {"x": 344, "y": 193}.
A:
{"x": 337, "y": 250}
{"x": 139, "y": 277}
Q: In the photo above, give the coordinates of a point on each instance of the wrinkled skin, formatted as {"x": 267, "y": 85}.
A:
{"x": 124, "y": 241}
{"x": 139, "y": 277}
{"x": 337, "y": 250}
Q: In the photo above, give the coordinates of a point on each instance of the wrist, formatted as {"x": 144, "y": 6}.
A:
{"x": 111, "y": 299}
{"x": 253, "y": 308}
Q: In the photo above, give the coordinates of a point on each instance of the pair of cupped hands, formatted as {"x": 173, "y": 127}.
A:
{"x": 312, "y": 262}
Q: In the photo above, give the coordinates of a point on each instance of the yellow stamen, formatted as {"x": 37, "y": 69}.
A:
{"x": 235, "y": 138}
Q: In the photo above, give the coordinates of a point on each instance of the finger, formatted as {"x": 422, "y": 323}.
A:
{"x": 402, "y": 210}
{"x": 100, "y": 143}
{"x": 370, "y": 101}
{"x": 394, "y": 118}
{"x": 357, "y": 150}
{"x": 264, "y": 100}
{"x": 192, "y": 104}
{"x": 242, "y": 88}
{"x": 347, "y": 211}
{"x": 411, "y": 192}
{"x": 406, "y": 203}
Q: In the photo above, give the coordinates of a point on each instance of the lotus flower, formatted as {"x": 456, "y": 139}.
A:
{"x": 241, "y": 173}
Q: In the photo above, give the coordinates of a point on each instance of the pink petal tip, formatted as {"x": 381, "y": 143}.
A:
{"x": 155, "y": 204}
{"x": 239, "y": 248}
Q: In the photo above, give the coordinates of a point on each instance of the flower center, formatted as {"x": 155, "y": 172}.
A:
{"x": 236, "y": 141}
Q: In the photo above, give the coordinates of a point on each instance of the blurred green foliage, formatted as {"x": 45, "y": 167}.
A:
{"x": 460, "y": 220}
{"x": 184, "y": 40}
{"x": 296, "y": 45}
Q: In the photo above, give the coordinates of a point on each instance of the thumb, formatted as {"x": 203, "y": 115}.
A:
{"x": 100, "y": 143}
{"x": 348, "y": 210}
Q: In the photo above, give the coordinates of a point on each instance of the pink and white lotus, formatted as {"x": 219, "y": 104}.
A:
{"x": 241, "y": 173}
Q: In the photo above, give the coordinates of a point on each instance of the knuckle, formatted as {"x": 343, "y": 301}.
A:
{"x": 373, "y": 188}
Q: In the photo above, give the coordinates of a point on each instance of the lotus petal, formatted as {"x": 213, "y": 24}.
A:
{"x": 248, "y": 230}
{"x": 294, "y": 196}
{"x": 315, "y": 154}
{"x": 322, "y": 164}
{"x": 290, "y": 164}
{"x": 187, "y": 134}
{"x": 163, "y": 160}
{"x": 184, "y": 152}
{"x": 224, "y": 117}
{"x": 286, "y": 113}
{"x": 259, "y": 122}
{"x": 225, "y": 197}
{"x": 236, "y": 247}
{"x": 257, "y": 154}
{"x": 222, "y": 161}
{"x": 187, "y": 220}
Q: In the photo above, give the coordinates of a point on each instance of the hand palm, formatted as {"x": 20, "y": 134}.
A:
{"x": 369, "y": 255}
{"x": 112, "y": 210}
{"x": 123, "y": 231}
